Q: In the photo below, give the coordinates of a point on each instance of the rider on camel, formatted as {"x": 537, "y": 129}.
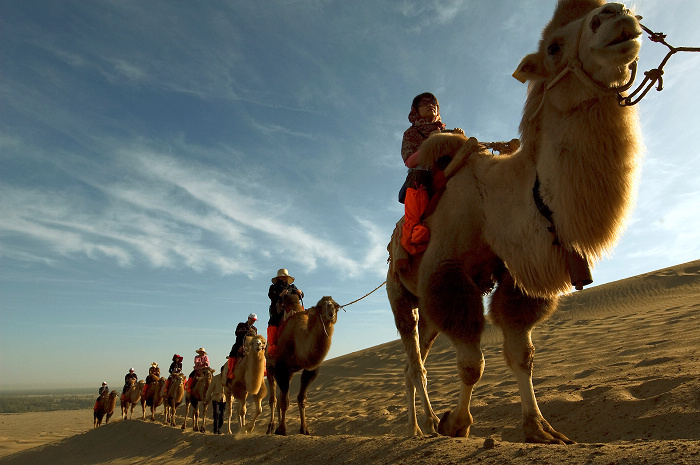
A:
{"x": 281, "y": 285}
{"x": 201, "y": 361}
{"x": 420, "y": 183}
{"x": 175, "y": 369}
{"x": 243, "y": 329}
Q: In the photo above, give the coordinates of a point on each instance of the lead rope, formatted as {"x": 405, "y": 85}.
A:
{"x": 357, "y": 300}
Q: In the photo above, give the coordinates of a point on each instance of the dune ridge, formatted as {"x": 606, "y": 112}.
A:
{"x": 616, "y": 369}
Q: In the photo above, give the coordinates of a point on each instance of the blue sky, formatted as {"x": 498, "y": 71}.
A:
{"x": 159, "y": 161}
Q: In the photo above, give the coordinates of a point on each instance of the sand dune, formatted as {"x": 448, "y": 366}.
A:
{"x": 616, "y": 370}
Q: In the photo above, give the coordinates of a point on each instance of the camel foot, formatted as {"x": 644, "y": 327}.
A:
{"x": 431, "y": 426}
{"x": 539, "y": 431}
{"x": 270, "y": 428}
{"x": 450, "y": 426}
{"x": 280, "y": 431}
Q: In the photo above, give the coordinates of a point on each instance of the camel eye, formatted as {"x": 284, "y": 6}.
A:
{"x": 553, "y": 49}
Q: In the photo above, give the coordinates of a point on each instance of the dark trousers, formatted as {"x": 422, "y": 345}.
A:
{"x": 218, "y": 409}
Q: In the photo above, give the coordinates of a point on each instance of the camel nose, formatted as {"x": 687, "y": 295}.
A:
{"x": 613, "y": 9}
{"x": 609, "y": 11}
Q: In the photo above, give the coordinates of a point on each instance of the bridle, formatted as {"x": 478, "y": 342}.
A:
{"x": 576, "y": 67}
{"x": 651, "y": 77}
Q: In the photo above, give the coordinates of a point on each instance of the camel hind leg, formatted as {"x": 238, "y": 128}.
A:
{"x": 404, "y": 307}
{"x": 516, "y": 314}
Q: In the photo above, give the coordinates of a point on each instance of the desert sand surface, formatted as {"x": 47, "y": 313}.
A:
{"x": 617, "y": 370}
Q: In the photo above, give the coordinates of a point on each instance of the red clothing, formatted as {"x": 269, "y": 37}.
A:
{"x": 201, "y": 361}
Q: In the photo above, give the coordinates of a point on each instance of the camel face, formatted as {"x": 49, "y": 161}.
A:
{"x": 610, "y": 40}
{"x": 328, "y": 309}
{"x": 593, "y": 49}
{"x": 257, "y": 345}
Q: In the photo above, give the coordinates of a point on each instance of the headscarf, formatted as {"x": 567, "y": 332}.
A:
{"x": 420, "y": 127}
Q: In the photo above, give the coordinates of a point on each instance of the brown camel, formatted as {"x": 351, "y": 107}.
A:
{"x": 105, "y": 406}
{"x": 196, "y": 395}
{"x": 131, "y": 398}
{"x": 176, "y": 391}
{"x": 303, "y": 341}
{"x": 514, "y": 221}
{"x": 249, "y": 378}
{"x": 154, "y": 395}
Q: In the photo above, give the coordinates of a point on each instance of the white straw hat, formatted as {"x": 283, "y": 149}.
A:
{"x": 282, "y": 273}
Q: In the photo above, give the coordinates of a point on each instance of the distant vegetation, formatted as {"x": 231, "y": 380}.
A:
{"x": 46, "y": 401}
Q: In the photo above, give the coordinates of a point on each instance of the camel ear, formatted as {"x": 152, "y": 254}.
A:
{"x": 529, "y": 68}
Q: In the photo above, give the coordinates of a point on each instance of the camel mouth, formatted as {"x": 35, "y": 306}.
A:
{"x": 625, "y": 37}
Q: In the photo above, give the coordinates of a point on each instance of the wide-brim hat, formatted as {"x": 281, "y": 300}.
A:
{"x": 201, "y": 350}
{"x": 282, "y": 273}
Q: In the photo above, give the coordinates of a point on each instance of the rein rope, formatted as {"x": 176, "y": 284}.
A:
{"x": 357, "y": 300}
{"x": 653, "y": 75}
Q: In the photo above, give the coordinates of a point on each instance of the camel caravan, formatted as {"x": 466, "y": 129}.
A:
{"x": 304, "y": 339}
{"x": 524, "y": 226}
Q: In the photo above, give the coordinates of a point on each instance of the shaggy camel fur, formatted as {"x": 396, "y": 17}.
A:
{"x": 105, "y": 406}
{"x": 155, "y": 393}
{"x": 303, "y": 341}
{"x": 249, "y": 378}
{"x": 131, "y": 398}
{"x": 196, "y": 395}
{"x": 582, "y": 149}
{"x": 176, "y": 392}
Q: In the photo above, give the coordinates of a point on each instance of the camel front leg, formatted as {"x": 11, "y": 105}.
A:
{"x": 187, "y": 412}
{"x": 516, "y": 314}
{"x": 273, "y": 396}
{"x": 307, "y": 377}
{"x": 229, "y": 407}
{"x": 204, "y": 416}
{"x": 258, "y": 399}
{"x": 195, "y": 417}
{"x": 241, "y": 412}
{"x": 470, "y": 366}
{"x": 283, "y": 377}
{"x": 519, "y": 353}
{"x": 452, "y": 302}
{"x": 403, "y": 305}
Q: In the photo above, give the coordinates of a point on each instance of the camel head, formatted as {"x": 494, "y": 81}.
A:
{"x": 256, "y": 345}
{"x": 292, "y": 303}
{"x": 585, "y": 50}
{"x": 327, "y": 308}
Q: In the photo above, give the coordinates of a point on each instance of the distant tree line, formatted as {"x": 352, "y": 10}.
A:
{"x": 45, "y": 403}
